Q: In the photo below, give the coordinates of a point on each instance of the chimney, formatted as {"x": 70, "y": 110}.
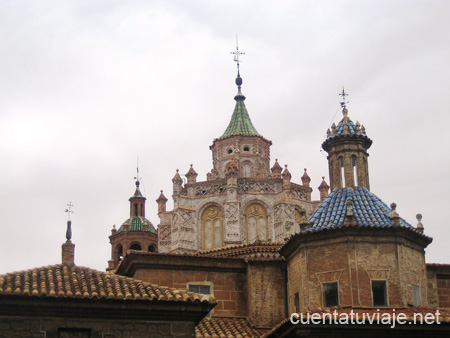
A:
{"x": 68, "y": 248}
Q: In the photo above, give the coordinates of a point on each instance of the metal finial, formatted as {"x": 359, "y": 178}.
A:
{"x": 69, "y": 209}
{"x": 137, "y": 178}
{"x": 343, "y": 94}
{"x": 237, "y": 53}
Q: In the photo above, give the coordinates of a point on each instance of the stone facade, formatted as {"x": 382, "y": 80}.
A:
{"x": 241, "y": 181}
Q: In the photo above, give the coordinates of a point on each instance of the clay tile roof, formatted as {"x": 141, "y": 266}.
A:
{"x": 254, "y": 251}
{"x": 63, "y": 281}
{"x": 226, "y": 328}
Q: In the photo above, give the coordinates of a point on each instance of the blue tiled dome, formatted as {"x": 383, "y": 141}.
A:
{"x": 368, "y": 210}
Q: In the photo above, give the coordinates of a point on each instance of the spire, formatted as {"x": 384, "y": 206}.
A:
{"x": 68, "y": 248}
{"x": 137, "y": 201}
{"x": 137, "y": 193}
{"x": 347, "y": 144}
{"x": 240, "y": 123}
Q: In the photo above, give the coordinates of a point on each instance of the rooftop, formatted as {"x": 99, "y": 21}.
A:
{"x": 63, "y": 281}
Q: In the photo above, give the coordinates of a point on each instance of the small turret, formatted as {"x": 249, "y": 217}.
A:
{"x": 191, "y": 176}
{"x": 276, "y": 170}
{"x": 162, "y": 200}
{"x": 286, "y": 175}
{"x": 306, "y": 179}
{"x": 323, "y": 188}
{"x": 177, "y": 184}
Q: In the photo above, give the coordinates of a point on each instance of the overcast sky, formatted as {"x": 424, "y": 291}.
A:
{"x": 87, "y": 87}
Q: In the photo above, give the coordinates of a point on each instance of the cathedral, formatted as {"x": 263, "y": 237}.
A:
{"x": 244, "y": 253}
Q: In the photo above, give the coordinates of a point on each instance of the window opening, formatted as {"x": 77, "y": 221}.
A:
{"x": 379, "y": 292}
{"x": 416, "y": 295}
{"x": 330, "y": 294}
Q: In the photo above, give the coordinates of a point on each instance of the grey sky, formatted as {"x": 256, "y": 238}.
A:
{"x": 86, "y": 87}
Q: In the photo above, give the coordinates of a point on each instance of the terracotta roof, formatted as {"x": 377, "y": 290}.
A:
{"x": 444, "y": 315}
{"x": 226, "y": 328}
{"x": 256, "y": 250}
{"x": 438, "y": 264}
{"x": 63, "y": 281}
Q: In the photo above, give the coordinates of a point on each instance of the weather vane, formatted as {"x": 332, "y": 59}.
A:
{"x": 137, "y": 178}
{"x": 343, "y": 94}
{"x": 237, "y": 53}
{"x": 69, "y": 209}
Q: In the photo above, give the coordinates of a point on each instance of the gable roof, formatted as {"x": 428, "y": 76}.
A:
{"x": 63, "y": 281}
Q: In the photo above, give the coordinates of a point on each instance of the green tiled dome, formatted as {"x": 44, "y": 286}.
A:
{"x": 137, "y": 223}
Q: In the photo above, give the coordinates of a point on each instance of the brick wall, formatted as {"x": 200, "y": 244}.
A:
{"x": 64, "y": 327}
{"x": 353, "y": 262}
{"x": 443, "y": 288}
{"x": 228, "y": 287}
{"x": 439, "y": 285}
{"x": 265, "y": 293}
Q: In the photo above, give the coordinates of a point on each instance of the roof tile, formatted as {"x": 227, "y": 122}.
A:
{"x": 63, "y": 281}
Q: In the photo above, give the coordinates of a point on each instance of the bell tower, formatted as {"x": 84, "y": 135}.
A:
{"x": 347, "y": 145}
{"x": 136, "y": 233}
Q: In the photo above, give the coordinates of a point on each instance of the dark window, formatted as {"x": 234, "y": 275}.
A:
{"x": 136, "y": 209}
{"x": 205, "y": 289}
{"x": 230, "y": 151}
{"x": 151, "y": 248}
{"x": 135, "y": 246}
{"x": 297, "y": 302}
{"x": 330, "y": 294}
{"x": 246, "y": 149}
{"x": 379, "y": 292}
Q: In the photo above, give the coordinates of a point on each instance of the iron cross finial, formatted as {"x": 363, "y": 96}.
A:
{"x": 343, "y": 94}
{"x": 237, "y": 53}
{"x": 69, "y": 209}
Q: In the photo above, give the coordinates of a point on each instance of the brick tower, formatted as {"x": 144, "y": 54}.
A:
{"x": 136, "y": 233}
{"x": 347, "y": 145}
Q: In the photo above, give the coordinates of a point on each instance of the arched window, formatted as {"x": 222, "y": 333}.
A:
{"x": 151, "y": 248}
{"x": 212, "y": 225}
{"x": 355, "y": 175}
{"x": 136, "y": 209}
{"x": 119, "y": 252}
{"x": 341, "y": 163}
{"x": 135, "y": 246}
{"x": 256, "y": 222}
